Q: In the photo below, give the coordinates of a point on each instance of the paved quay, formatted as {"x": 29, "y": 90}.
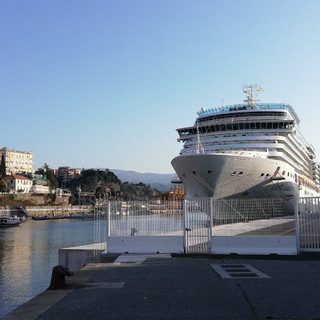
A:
{"x": 184, "y": 287}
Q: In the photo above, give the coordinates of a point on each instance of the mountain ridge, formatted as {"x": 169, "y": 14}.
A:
{"x": 160, "y": 181}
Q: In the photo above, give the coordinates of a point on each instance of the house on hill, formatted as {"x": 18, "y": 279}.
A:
{"x": 17, "y": 183}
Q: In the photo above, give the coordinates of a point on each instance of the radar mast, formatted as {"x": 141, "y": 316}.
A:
{"x": 251, "y": 91}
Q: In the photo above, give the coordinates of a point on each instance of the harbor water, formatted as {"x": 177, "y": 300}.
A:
{"x": 30, "y": 251}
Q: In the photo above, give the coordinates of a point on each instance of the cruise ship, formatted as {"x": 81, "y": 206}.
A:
{"x": 248, "y": 150}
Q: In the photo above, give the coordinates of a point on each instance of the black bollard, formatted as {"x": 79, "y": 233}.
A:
{"x": 58, "y": 280}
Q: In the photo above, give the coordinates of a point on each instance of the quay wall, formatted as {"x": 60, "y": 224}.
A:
{"x": 26, "y": 199}
{"x": 42, "y": 211}
{"x": 39, "y": 205}
{"x": 56, "y": 211}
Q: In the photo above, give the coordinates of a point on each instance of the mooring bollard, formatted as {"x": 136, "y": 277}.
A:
{"x": 58, "y": 280}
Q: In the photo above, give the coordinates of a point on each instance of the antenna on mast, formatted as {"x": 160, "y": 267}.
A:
{"x": 251, "y": 91}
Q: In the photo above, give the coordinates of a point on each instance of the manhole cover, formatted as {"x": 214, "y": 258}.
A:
{"x": 238, "y": 271}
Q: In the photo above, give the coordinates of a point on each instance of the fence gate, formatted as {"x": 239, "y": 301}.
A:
{"x": 309, "y": 224}
{"x": 197, "y": 226}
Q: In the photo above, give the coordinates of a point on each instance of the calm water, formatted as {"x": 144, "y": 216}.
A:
{"x": 29, "y": 252}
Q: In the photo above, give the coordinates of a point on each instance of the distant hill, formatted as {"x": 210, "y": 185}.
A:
{"x": 162, "y": 182}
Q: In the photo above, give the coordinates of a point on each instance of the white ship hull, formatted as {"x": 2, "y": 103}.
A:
{"x": 251, "y": 150}
{"x": 230, "y": 176}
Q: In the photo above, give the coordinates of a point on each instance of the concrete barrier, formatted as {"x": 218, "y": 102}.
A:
{"x": 262, "y": 245}
{"x": 145, "y": 244}
{"x": 78, "y": 257}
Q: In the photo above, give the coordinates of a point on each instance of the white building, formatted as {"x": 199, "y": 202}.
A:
{"x": 17, "y": 161}
{"x": 37, "y": 188}
{"x": 18, "y": 183}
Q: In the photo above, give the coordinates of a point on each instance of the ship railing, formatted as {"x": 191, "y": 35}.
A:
{"x": 240, "y": 107}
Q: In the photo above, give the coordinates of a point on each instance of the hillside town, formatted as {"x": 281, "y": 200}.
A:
{"x": 66, "y": 185}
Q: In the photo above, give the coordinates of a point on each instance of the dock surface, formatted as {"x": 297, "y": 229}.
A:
{"x": 162, "y": 286}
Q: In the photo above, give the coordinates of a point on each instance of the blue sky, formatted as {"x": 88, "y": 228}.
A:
{"x": 106, "y": 83}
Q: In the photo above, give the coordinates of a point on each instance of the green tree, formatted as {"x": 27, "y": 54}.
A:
{"x": 2, "y": 167}
{"x": 99, "y": 182}
{"x": 138, "y": 191}
{"x": 49, "y": 173}
{"x": 3, "y": 185}
{"x": 90, "y": 180}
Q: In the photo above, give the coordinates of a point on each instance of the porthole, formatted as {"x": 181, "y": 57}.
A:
{"x": 240, "y": 173}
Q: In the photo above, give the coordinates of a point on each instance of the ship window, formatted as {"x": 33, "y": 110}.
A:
{"x": 234, "y": 173}
{"x": 283, "y": 173}
{"x": 258, "y": 125}
{"x": 288, "y": 174}
{"x": 262, "y": 174}
{"x": 240, "y": 173}
{"x": 193, "y": 172}
{"x": 267, "y": 175}
{"x": 209, "y": 172}
{"x": 275, "y": 125}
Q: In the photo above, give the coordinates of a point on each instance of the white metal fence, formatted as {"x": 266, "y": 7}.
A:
{"x": 141, "y": 218}
{"x": 197, "y": 222}
{"x": 255, "y": 217}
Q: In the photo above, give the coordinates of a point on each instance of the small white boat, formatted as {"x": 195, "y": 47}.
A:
{"x": 7, "y": 221}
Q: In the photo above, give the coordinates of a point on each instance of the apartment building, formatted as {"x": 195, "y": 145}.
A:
{"x": 66, "y": 174}
{"x": 17, "y": 161}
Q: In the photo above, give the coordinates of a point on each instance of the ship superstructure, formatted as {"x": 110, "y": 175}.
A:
{"x": 247, "y": 150}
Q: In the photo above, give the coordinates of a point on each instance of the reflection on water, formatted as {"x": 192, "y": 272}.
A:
{"x": 29, "y": 252}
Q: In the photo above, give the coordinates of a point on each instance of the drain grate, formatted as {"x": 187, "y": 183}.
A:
{"x": 238, "y": 271}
